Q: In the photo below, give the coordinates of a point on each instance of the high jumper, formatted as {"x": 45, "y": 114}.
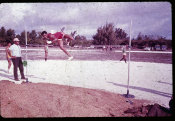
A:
{"x": 56, "y": 38}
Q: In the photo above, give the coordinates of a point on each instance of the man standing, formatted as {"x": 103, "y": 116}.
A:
{"x": 124, "y": 53}
{"x": 17, "y": 60}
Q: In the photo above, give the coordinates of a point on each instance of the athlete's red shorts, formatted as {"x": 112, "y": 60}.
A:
{"x": 58, "y": 35}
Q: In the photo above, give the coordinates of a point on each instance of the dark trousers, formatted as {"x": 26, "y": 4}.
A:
{"x": 17, "y": 63}
{"x": 124, "y": 57}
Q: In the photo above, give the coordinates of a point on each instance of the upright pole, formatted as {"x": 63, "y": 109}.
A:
{"x": 25, "y": 62}
{"x": 26, "y": 48}
{"x": 128, "y": 95}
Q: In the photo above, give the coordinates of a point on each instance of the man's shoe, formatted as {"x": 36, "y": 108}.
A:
{"x": 23, "y": 79}
{"x": 18, "y": 82}
{"x": 16, "y": 79}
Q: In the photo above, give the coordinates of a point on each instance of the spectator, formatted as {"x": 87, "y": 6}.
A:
{"x": 17, "y": 60}
{"x": 124, "y": 53}
{"x": 8, "y": 57}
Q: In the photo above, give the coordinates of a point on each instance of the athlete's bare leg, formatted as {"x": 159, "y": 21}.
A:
{"x": 60, "y": 43}
{"x": 46, "y": 51}
{"x": 9, "y": 65}
{"x": 68, "y": 37}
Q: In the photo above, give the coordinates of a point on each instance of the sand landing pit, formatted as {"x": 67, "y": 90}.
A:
{"x": 53, "y": 100}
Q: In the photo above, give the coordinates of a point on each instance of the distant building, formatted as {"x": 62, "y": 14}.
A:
{"x": 164, "y": 47}
{"x": 157, "y": 47}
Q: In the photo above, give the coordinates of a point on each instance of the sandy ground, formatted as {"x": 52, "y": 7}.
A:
{"x": 88, "y": 84}
{"x": 151, "y": 81}
{"x": 53, "y": 100}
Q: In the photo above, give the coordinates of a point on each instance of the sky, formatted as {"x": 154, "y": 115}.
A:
{"x": 149, "y": 18}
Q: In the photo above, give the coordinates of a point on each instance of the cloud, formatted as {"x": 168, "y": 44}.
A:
{"x": 13, "y": 13}
{"x": 147, "y": 17}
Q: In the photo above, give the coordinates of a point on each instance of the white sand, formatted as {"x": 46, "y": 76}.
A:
{"x": 150, "y": 81}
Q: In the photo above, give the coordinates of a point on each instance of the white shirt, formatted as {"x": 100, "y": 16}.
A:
{"x": 15, "y": 50}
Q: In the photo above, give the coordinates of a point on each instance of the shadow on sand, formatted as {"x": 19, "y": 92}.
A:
{"x": 144, "y": 89}
{"x": 164, "y": 82}
{"x": 6, "y": 76}
{"x": 3, "y": 70}
{"x": 32, "y": 76}
{"x": 10, "y": 76}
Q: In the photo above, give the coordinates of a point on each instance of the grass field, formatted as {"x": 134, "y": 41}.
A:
{"x": 94, "y": 54}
